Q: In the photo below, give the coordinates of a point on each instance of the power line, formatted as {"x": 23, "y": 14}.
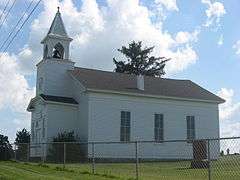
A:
{"x": 13, "y": 29}
{"x": 22, "y": 26}
{"x": 4, "y": 9}
{"x": 5, "y": 17}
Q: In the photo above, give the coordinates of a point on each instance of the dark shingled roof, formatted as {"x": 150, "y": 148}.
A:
{"x": 59, "y": 99}
{"x": 104, "y": 80}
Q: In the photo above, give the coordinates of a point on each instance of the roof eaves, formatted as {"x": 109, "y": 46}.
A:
{"x": 30, "y": 105}
{"x": 221, "y": 100}
{"x": 60, "y": 103}
{"x": 44, "y": 98}
{"x": 154, "y": 96}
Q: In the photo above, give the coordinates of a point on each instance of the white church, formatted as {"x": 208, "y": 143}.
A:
{"x": 102, "y": 106}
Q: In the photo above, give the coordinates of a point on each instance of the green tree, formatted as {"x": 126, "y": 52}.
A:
{"x": 22, "y": 136}
{"x": 65, "y": 137}
{"x": 139, "y": 61}
{"x": 74, "y": 150}
{"x": 6, "y": 151}
{"x": 22, "y": 144}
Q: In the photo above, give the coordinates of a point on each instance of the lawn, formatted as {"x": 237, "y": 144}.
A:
{"x": 26, "y": 171}
{"x": 227, "y": 167}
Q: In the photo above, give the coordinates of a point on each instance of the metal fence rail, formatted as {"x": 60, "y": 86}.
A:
{"x": 205, "y": 159}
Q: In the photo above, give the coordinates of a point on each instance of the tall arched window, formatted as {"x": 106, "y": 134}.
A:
{"x": 45, "y": 53}
{"x": 58, "y": 51}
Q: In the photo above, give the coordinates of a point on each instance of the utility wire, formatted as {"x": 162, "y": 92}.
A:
{"x": 13, "y": 29}
{"x": 22, "y": 26}
{"x": 5, "y": 17}
{"x": 3, "y": 12}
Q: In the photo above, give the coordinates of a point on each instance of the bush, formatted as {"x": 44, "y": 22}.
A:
{"x": 6, "y": 151}
{"x": 22, "y": 141}
{"x": 74, "y": 151}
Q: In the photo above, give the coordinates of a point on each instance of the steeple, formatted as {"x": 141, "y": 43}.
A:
{"x": 57, "y": 27}
{"x": 56, "y": 42}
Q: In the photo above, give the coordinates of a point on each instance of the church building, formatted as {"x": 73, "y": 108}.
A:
{"x": 102, "y": 106}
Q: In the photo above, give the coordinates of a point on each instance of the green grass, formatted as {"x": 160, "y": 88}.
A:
{"x": 26, "y": 171}
{"x": 226, "y": 168}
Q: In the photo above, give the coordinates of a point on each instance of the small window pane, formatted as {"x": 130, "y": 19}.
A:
{"x": 125, "y": 126}
{"x": 190, "y": 127}
{"x": 159, "y": 127}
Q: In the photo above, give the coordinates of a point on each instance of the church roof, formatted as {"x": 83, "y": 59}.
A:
{"x": 57, "y": 26}
{"x": 127, "y": 83}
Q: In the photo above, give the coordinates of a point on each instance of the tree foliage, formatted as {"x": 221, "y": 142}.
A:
{"x": 139, "y": 61}
{"x": 22, "y": 136}
{"x": 74, "y": 150}
{"x": 22, "y": 141}
{"x": 65, "y": 137}
{"x": 6, "y": 151}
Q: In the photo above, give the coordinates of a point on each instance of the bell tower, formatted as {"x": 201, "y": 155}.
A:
{"x": 56, "y": 43}
{"x": 52, "y": 71}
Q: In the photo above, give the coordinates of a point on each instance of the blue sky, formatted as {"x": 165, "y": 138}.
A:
{"x": 200, "y": 36}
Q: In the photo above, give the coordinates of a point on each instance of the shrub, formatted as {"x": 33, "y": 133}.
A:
{"x": 6, "y": 151}
{"x": 74, "y": 151}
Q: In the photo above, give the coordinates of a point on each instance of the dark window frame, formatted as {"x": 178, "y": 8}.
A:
{"x": 125, "y": 126}
{"x": 191, "y": 128}
{"x": 159, "y": 127}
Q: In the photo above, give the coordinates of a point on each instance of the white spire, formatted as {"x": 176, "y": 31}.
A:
{"x": 57, "y": 27}
{"x": 56, "y": 43}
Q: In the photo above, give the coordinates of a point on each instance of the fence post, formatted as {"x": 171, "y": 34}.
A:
{"x": 64, "y": 154}
{"x": 137, "y": 160}
{"x": 209, "y": 160}
{"x": 28, "y": 151}
{"x": 15, "y": 152}
{"x": 43, "y": 160}
{"x": 93, "y": 158}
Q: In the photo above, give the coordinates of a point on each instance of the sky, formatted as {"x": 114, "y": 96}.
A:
{"x": 202, "y": 38}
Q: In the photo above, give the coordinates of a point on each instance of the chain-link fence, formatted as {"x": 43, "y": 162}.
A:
{"x": 201, "y": 159}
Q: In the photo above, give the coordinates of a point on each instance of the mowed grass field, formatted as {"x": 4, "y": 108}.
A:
{"x": 226, "y": 168}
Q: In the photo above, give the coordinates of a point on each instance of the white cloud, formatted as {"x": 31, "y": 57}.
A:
{"x": 15, "y": 96}
{"x": 98, "y": 32}
{"x": 220, "y": 40}
{"x": 168, "y": 4}
{"x": 15, "y": 91}
{"x": 229, "y": 108}
{"x": 229, "y": 121}
{"x": 214, "y": 13}
{"x": 189, "y": 56}
{"x": 186, "y": 37}
{"x": 230, "y": 129}
{"x": 236, "y": 47}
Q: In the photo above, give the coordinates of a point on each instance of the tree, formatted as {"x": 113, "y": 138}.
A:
{"x": 22, "y": 144}
{"x": 139, "y": 61}
{"x": 74, "y": 151}
{"x": 6, "y": 151}
{"x": 22, "y": 136}
{"x": 65, "y": 137}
